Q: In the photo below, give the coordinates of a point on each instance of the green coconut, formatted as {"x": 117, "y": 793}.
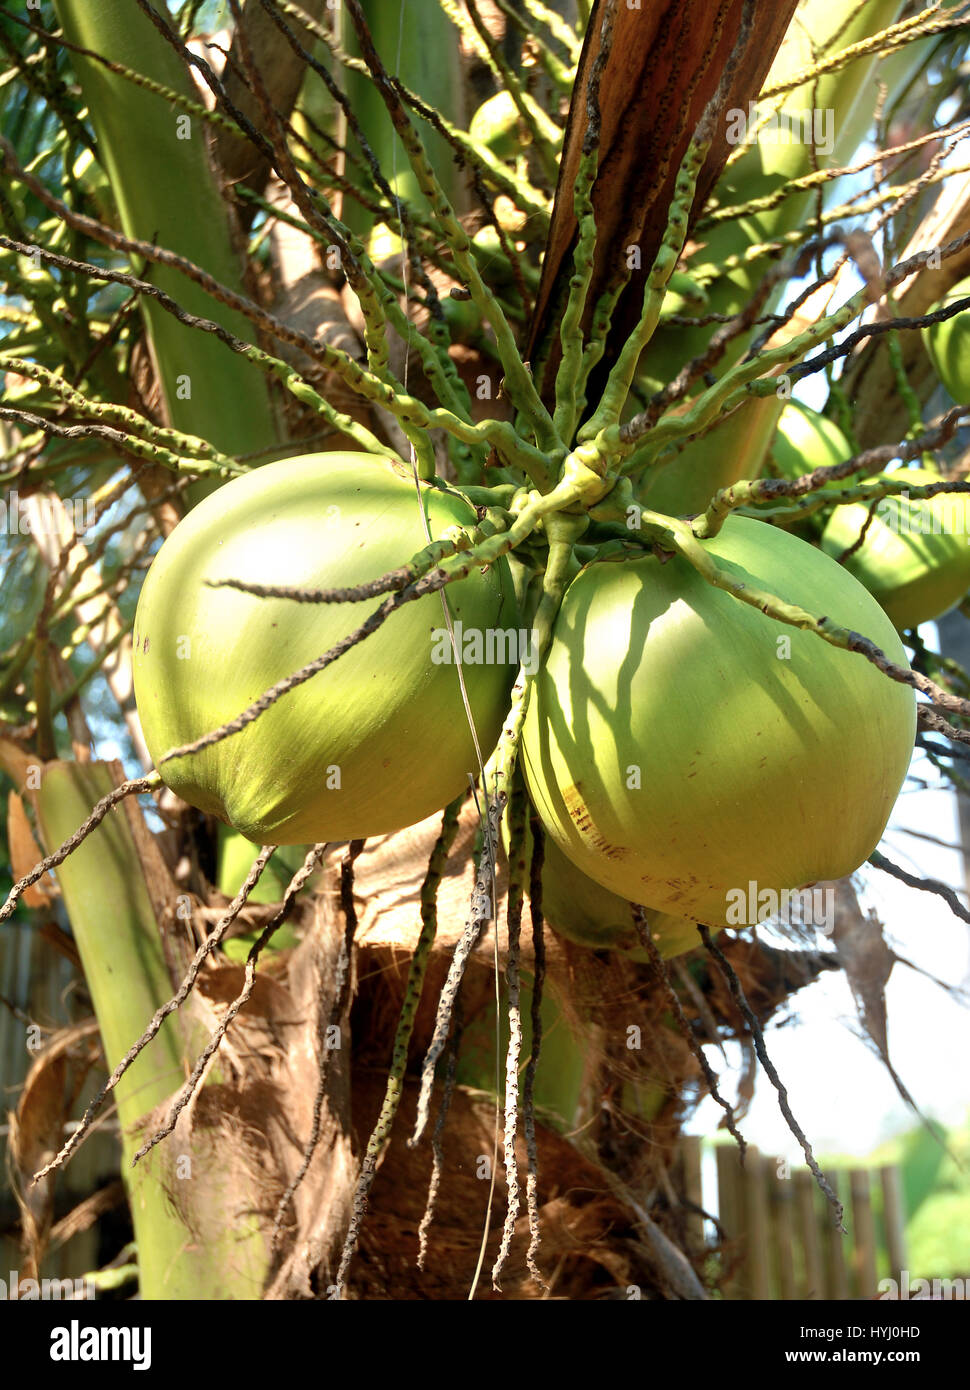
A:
{"x": 734, "y": 448}
{"x": 915, "y": 559}
{"x": 806, "y": 440}
{"x": 680, "y": 745}
{"x": 948, "y": 344}
{"x": 376, "y": 741}
{"x": 498, "y": 123}
{"x": 583, "y": 911}
{"x": 235, "y": 856}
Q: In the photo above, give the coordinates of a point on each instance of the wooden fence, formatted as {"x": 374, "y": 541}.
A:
{"x": 781, "y": 1241}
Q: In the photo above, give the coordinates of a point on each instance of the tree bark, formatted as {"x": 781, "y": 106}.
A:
{"x": 665, "y": 65}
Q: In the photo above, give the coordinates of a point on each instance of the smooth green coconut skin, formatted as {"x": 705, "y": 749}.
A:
{"x": 948, "y": 344}
{"x": 806, "y": 440}
{"x": 763, "y": 752}
{"x": 385, "y": 714}
{"x": 915, "y": 575}
{"x": 497, "y": 123}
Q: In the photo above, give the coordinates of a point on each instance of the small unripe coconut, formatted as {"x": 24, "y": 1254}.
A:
{"x": 915, "y": 558}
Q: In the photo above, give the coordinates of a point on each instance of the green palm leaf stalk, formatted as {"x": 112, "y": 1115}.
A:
{"x": 165, "y": 191}
{"x": 190, "y": 1246}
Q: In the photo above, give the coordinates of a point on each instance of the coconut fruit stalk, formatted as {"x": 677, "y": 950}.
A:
{"x": 831, "y": 114}
{"x": 420, "y": 47}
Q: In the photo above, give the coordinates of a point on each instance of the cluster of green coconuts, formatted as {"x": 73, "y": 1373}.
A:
{"x": 677, "y": 743}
